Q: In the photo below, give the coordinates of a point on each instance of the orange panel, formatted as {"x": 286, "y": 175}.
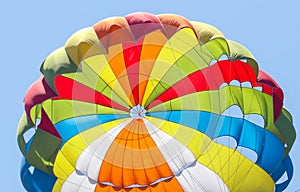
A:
{"x": 171, "y": 185}
{"x": 148, "y": 58}
{"x": 116, "y": 61}
{"x": 133, "y": 158}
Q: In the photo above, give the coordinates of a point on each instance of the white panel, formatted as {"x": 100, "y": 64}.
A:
{"x": 175, "y": 153}
{"x": 198, "y": 178}
{"x": 78, "y": 182}
{"x": 191, "y": 175}
{"x": 90, "y": 160}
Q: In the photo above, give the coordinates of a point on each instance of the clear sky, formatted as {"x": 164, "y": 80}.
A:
{"x": 30, "y": 30}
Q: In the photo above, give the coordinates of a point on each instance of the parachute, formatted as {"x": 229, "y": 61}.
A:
{"x": 154, "y": 103}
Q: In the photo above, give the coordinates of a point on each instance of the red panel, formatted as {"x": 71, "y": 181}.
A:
{"x": 142, "y": 24}
{"x": 36, "y": 94}
{"x": 47, "y": 125}
{"x": 211, "y": 78}
{"x": 132, "y": 53}
{"x": 69, "y": 89}
{"x": 275, "y": 91}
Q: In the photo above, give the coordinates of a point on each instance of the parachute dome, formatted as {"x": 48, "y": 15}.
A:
{"x": 154, "y": 103}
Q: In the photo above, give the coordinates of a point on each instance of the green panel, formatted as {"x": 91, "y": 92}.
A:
{"x": 43, "y": 150}
{"x": 58, "y": 110}
{"x": 216, "y": 48}
{"x": 57, "y": 63}
{"x": 285, "y": 126}
{"x": 24, "y": 125}
{"x": 35, "y": 112}
{"x": 206, "y": 32}
{"x": 238, "y": 52}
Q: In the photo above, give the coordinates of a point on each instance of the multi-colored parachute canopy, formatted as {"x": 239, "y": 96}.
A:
{"x": 154, "y": 103}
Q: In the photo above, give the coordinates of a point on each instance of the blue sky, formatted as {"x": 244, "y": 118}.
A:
{"x": 30, "y": 30}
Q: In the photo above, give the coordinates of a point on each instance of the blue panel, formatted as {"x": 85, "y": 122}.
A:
{"x": 272, "y": 154}
{"x": 211, "y": 124}
{"x": 252, "y": 137}
{"x": 70, "y": 127}
{"x": 247, "y": 134}
{"x": 285, "y": 166}
{"x": 37, "y": 181}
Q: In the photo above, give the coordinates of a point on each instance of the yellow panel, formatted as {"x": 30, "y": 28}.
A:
{"x": 100, "y": 65}
{"x": 62, "y": 167}
{"x": 58, "y": 185}
{"x": 180, "y": 43}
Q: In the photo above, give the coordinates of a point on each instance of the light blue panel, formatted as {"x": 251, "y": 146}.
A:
{"x": 70, "y": 127}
